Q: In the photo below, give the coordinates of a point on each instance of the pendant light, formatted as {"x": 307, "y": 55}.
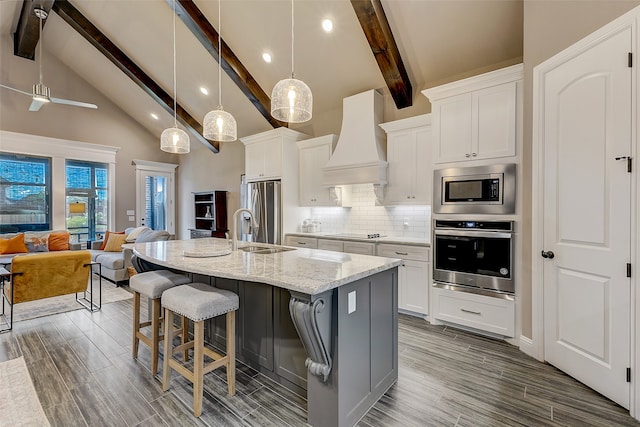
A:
{"x": 174, "y": 140}
{"x": 220, "y": 125}
{"x": 291, "y": 99}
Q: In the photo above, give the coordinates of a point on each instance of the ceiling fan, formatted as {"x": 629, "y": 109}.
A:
{"x": 41, "y": 94}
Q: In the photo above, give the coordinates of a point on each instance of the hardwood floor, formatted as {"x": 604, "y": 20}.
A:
{"x": 84, "y": 374}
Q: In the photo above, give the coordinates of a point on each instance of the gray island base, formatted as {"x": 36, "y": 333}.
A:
{"x": 322, "y": 324}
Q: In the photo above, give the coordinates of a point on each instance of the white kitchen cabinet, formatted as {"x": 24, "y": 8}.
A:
{"x": 331, "y": 245}
{"x": 362, "y": 248}
{"x": 476, "y": 118}
{"x": 314, "y": 154}
{"x": 409, "y": 153}
{"x": 413, "y": 276}
{"x": 269, "y": 154}
{"x": 302, "y": 242}
{"x": 495, "y": 315}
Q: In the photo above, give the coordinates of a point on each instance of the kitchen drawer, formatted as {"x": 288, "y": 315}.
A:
{"x": 331, "y": 245}
{"x": 302, "y": 242}
{"x": 416, "y": 253}
{"x": 361, "y": 248}
{"x": 476, "y": 311}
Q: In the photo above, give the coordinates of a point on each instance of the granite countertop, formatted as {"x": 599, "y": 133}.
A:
{"x": 386, "y": 239}
{"x": 308, "y": 271}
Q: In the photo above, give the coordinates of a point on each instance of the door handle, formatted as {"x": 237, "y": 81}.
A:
{"x": 548, "y": 254}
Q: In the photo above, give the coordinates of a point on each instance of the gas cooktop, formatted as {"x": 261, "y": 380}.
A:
{"x": 358, "y": 236}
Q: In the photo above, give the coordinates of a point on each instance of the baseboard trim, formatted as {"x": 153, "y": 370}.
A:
{"x": 527, "y": 347}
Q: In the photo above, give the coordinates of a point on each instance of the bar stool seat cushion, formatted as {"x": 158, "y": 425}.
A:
{"x": 199, "y": 301}
{"x": 153, "y": 283}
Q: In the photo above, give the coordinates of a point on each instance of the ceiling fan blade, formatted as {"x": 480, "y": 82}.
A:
{"x": 74, "y": 103}
{"x": 16, "y": 90}
{"x": 35, "y": 105}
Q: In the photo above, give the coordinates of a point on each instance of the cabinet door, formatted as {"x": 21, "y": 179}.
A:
{"x": 331, "y": 245}
{"x": 254, "y": 161}
{"x": 452, "y": 129}
{"x": 415, "y": 286}
{"x": 423, "y": 178}
{"x": 256, "y": 323}
{"x": 494, "y": 122}
{"x": 272, "y": 151}
{"x": 360, "y": 248}
{"x": 312, "y": 190}
{"x": 401, "y": 172}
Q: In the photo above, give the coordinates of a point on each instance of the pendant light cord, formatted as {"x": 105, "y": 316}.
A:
{"x": 292, "y": 40}
{"x": 41, "y": 43}
{"x": 175, "y": 92}
{"x": 219, "y": 54}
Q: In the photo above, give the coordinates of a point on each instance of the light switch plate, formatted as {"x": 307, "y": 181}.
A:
{"x": 132, "y": 218}
{"x": 351, "y": 297}
{"x": 131, "y": 212}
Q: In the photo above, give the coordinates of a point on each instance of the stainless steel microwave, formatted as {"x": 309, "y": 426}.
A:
{"x": 475, "y": 190}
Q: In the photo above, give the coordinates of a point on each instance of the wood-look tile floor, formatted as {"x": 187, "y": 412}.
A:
{"x": 84, "y": 374}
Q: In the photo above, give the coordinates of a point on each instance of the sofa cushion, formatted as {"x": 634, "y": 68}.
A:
{"x": 37, "y": 242}
{"x": 150, "y": 235}
{"x": 14, "y": 245}
{"x": 110, "y": 260}
{"x": 106, "y": 238}
{"x": 115, "y": 242}
{"x": 59, "y": 241}
{"x": 133, "y": 234}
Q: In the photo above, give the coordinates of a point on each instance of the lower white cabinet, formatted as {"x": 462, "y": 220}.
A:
{"x": 302, "y": 242}
{"x": 331, "y": 245}
{"x": 413, "y": 276}
{"x": 362, "y": 248}
{"x": 480, "y": 312}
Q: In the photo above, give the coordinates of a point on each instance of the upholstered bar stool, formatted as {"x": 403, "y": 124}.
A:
{"x": 152, "y": 284}
{"x": 199, "y": 302}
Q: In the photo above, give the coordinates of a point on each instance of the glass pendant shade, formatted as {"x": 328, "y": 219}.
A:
{"x": 174, "y": 140}
{"x": 291, "y": 101}
{"x": 220, "y": 126}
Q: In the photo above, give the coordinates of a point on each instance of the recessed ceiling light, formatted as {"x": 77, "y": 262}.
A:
{"x": 204, "y": 90}
{"x": 327, "y": 25}
{"x": 266, "y": 56}
{"x": 154, "y": 116}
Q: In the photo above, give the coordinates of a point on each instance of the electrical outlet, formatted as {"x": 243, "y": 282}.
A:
{"x": 405, "y": 223}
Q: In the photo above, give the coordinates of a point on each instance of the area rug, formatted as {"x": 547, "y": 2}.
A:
{"x": 64, "y": 303}
{"x": 19, "y": 404}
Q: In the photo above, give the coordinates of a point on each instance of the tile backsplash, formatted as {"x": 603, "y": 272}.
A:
{"x": 365, "y": 217}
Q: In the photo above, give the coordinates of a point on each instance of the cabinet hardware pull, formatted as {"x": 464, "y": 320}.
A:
{"x": 401, "y": 253}
{"x": 467, "y": 155}
{"x": 302, "y": 243}
{"x": 470, "y": 311}
{"x": 474, "y": 154}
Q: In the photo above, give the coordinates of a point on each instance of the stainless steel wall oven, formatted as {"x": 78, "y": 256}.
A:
{"x": 474, "y": 255}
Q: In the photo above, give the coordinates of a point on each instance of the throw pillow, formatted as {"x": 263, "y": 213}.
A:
{"x": 37, "y": 242}
{"x": 59, "y": 241}
{"x": 15, "y": 245}
{"x": 106, "y": 238}
{"x": 115, "y": 242}
{"x": 133, "y": 235}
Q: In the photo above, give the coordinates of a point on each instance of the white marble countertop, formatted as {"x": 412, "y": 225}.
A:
{"x": 308, "y": 271}
{"x": 386, "y": 239}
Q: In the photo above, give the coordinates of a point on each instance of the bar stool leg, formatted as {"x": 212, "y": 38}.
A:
{"x": 155, "y": 334}
{"x": 198, "y": 366}
{"x": 185, "y": 337}
{"x": 168, "y": 348}
{"x": 136, "y": 324}
{"x": 231, "y": 352}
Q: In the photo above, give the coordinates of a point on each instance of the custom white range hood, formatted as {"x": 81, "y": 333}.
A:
{"x": 360, "y": 154}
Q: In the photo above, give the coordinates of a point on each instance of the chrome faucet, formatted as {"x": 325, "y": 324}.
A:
{"x": 234, "y": 241}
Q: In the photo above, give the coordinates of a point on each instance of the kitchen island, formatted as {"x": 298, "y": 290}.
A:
{"x": 322, "y": 323}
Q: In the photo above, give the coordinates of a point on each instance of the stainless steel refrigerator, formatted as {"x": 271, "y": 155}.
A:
{"x": 264, "y": 200}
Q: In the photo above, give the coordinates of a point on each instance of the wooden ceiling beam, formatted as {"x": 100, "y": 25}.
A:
{"x": 100, "y": 41}
{"x": 27, "y": 34}
{"x": 383, "y": 45}
{"x": 202, "y": 29}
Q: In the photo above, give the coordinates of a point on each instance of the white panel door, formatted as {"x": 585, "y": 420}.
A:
{"x": 587, "y": 124}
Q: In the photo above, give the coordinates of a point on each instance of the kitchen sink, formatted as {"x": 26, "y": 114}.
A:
{"x": 264, "y": 250}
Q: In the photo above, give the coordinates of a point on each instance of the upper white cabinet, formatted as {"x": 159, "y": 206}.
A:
{"x": 476, "y": 118}
{"x": 266, "y": 153}
{"x": 409, "y": 173}
{"x": 314, "y": 154}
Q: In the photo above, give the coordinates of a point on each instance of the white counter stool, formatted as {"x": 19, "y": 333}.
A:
{"x": 152, "y": 284}
{"x": 199, "y": 302}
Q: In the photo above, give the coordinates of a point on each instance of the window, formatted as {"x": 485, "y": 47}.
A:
{"x": 25, "y": 193}
{"x": 86, "y": 199}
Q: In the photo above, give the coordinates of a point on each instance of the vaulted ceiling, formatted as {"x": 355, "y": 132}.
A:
{"x": 437, "y": 40}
